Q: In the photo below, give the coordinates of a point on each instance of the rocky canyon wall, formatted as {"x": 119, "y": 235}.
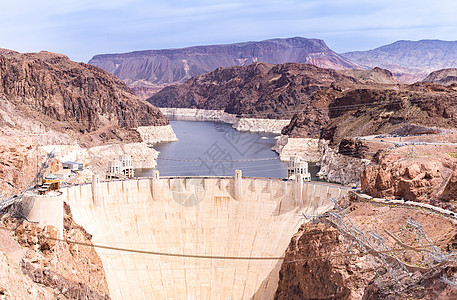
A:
{"x": 335, "y": 167}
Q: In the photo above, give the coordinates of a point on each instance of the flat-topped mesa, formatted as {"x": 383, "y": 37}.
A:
{"x": 74, "y": 97}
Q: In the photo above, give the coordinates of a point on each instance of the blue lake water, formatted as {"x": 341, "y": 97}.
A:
{"x": 216, "y": 149}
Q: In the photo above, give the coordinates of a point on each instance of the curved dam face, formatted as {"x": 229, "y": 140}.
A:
{"x": 222, "y": 217}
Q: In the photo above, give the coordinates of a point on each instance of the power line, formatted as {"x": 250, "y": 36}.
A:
{"x": 293, "y": 111}
{"x": 216, "y": 160}
{"x": 259, "y": 258}
{"x": 334, "y": 108}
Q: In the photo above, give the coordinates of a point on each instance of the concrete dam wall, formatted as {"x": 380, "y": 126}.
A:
{"x": 224, "y": 218}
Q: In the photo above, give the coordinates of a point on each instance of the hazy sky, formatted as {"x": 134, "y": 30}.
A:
{"x": 83, "y": 28}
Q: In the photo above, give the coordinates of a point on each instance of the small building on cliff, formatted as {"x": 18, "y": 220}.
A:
{"x": 73, "y": 165}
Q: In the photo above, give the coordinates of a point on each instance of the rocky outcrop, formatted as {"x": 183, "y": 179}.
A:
{"x": 66, "y": 288}
{"x": 47, "y": 99}
{"x": 450, "y": 188}
{"x": 308, "y": 149}
{"x": 75, "y": 98}
{"x": 308, "y": 123}
{"x": 431, "y": 286}
{"x": 442, "y": 77}
{"x": 415, "y": 179}
{"x": 4, "y": 51}
{"x": 370, "y": 111}
{"x": 158, "y": 67}
{"x": 320, "y": 277}
{"x": 157, "y": 134}
{"x": 259, "y": 90}
{"x": 16, "y": 285}
{"x": 341, "y": 168}
{"x": 348, "y": 112}
{"x": 144, "y": 90}
{"x": 17, "y": 166}
{"x": 55, "y": 270}
{"x": 409, "y": 61}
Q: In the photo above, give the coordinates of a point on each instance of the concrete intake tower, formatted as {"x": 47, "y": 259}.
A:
{"x": 240, "y": 225}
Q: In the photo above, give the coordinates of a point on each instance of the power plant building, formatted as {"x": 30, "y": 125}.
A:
{"x": 298, "y": 167}
{"x": 122, "y": 168}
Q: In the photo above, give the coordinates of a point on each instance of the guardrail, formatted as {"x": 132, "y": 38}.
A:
{"x": 436, "y": 209}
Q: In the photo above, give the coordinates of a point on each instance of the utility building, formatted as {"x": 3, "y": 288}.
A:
{"x": 297, "y": 166}
{"x": 73, "y": 165}
{"x": 63, "y": 174}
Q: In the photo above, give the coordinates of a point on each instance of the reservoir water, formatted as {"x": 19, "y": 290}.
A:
{"x": 216, "y": 149}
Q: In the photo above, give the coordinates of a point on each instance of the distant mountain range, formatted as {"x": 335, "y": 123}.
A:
{"x": 409, "y": 61}
{"x": 148, "y": 71}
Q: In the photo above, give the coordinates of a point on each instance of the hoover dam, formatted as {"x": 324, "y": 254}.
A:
{"x": 211, "y": 237}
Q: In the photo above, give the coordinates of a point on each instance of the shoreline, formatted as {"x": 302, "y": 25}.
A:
{"x": 157, "y": 134}
{"x": 240, "y": 124}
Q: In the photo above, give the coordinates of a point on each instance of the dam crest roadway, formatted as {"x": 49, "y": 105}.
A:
{"x": 220, "y": 218}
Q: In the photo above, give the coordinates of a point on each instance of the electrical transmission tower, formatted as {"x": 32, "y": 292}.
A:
{"x": 434, "y": 253}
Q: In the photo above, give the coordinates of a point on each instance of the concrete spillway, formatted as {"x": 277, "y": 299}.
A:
{"x": 247, "y": 217}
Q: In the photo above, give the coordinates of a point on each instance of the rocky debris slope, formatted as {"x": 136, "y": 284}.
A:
{"x": 17, "y": 167}
{"x": 319, "y": 265}
{"x": 16, "y": 285}
{"x": 443, "y": 77}
{"x": 145, "y": 70}
{"x": 259, "y": 90}
{"x": 409, "y": 61}
{"x": 69, "y": 271}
